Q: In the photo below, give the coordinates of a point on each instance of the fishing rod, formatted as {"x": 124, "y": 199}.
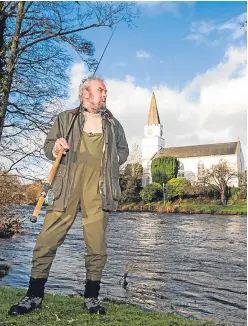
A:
{"x": 47, "y": 192}
{"x": 104, "y": 50}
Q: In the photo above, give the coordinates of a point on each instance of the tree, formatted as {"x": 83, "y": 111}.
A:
{"x": 134, "y": 170}
{"x": 135, "y": 155}
{"x": 159, "y": 177}
{"x": 131, "y": 183}
{"x": 177, "y": 187}
{"x": 164, "y": 168}
{"x": 219, "y": 177}
{"x": 11, "y": 190}
{"x": 131, "y": 194}
{"x": 34, "y": 41}
{"x": 243, "y": 184}
{"x": 152, "y": 192}
{"x": 33, "y": 192}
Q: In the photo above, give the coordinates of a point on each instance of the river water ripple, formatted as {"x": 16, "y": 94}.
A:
{"x": 192, "y": 265}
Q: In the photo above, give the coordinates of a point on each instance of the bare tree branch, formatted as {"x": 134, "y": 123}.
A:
{"x": 219, "y": 176}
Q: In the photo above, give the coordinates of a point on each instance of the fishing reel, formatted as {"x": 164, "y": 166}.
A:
{"x": 49, "y": 197}
{"x": 46, "y": 197}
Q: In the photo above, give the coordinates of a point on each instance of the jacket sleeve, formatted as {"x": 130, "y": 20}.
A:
{"x": 121, "y": 145}
{"x": 52, "y": 136}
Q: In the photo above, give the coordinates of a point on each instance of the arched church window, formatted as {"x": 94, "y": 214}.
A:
{"x": 180, "y": 170}
{"x": 200, "y": 168}
{"x": 190, "y": 176}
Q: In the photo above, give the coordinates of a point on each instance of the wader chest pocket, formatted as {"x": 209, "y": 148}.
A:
{"x": 58, "y": 181}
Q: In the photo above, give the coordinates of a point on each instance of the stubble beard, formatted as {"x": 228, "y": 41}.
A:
{"x": 96, "y": 108}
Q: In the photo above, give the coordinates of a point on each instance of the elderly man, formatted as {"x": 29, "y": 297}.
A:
{"x": 87, "y": 177}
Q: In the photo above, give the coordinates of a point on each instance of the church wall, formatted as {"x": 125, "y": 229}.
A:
{"x": 190, "y": 165}
{"x": 151, "y": 146}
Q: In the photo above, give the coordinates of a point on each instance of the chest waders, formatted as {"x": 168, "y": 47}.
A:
{"x": 84, "y": 193}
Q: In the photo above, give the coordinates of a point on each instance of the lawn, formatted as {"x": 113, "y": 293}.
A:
{"x": 69, "y": 310}
{"x": 190, "y": 206}
{"x": 240, "y": 208}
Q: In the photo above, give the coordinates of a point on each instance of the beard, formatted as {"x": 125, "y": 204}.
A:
{"x": 102, "y": 109}
{"x": 98, "y": 106}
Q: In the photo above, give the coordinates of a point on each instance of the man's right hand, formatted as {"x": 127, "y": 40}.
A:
{"x": 61, "y": 142}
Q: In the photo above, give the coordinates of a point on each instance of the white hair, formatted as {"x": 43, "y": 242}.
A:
{"x": 86, "y": 83}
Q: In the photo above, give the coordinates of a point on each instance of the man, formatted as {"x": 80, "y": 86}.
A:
{"x": 87, "y": 177}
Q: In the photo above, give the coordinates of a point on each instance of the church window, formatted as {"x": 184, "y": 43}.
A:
{"x": 180, "y": 170}
{"x": 200, "y": 168}
{"x": 190, "y": 176}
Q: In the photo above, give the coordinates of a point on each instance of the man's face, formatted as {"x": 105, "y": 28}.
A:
{"x": 96, "y": 94}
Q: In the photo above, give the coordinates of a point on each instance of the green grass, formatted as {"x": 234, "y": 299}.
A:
{"x": 241, "y": 208}
{"x": 65, "y": 311}
{"x": 213, "y": 208}
{"x": 191, "y": 206}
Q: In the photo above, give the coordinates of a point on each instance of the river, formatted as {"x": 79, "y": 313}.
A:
{"x": 192, "y": 265}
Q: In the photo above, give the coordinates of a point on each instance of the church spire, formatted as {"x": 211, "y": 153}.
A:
{"x": 153, "y": 116}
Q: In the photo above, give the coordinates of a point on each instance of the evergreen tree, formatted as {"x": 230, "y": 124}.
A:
{"x": 164, "y": 168}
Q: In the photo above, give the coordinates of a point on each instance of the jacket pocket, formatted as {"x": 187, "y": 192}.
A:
{"x": 58, "y": 181}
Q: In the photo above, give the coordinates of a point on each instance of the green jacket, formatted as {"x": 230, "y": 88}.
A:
{"x": 115, "y": 154}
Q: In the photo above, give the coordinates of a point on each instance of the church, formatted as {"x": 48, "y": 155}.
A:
{"x": 192, "y": 159}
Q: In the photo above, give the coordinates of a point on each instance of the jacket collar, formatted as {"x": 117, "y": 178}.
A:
{"x": 79, "y": 109}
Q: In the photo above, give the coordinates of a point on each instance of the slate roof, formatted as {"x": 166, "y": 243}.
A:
{"x": 199, "y": 150}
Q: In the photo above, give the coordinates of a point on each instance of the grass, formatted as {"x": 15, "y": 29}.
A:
{"x": 191, "y": 207}
{"x": 66, "y": 310}
{"x": 240, "y": 208}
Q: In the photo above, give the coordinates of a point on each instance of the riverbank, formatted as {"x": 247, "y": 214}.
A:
{"x": 68, "y": 310}
{"x": 189, "y": 207}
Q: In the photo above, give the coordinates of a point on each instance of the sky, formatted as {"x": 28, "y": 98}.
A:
{"x": 192, "y": 55}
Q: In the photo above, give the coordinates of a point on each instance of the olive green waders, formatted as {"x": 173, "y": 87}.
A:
{"x": 85, "y": 192}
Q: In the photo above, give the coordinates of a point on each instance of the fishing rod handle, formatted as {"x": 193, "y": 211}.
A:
{"x": 51, "y": 175}
{"x": 37, "y": 209}
{"x": 55, "y": 166}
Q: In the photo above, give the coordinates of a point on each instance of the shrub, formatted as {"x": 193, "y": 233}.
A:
{"x": 177, "y": 188}
{"x": 130, "y": 187}
{"x": 152, "y": 192}
{"x": 130, "y": 195}
{"x": 234, "y": 193}
{"x": 201, "y": 191}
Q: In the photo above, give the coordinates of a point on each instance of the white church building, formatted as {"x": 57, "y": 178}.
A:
{"x": 192, "y": 159}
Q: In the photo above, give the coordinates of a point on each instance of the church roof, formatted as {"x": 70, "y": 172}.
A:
{"x": 153, "y": 116}
{"x": 199, "y": 150}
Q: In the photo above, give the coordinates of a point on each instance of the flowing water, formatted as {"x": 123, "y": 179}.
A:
{"x": 192, "y": 265}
